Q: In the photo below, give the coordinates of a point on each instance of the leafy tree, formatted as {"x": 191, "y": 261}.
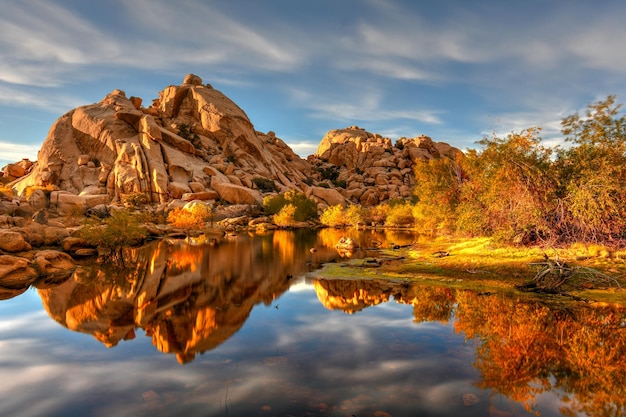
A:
{"x": 593, "y": 174}
{"x": 437, "y": 191}
{"x": 510, "y": 188}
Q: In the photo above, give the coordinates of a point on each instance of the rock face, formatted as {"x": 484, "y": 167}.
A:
{"x": 368, "y": 169}
{"x": 115, "y": 148}
{"x": 194, "y": 142}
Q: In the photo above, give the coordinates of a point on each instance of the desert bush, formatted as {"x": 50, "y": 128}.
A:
{"x": 333, "y": 216}
{"x": 185, "y": 131}
{"x": 376, "y": 214}
{"x": 328, "y": 173}
{"x": 286, "y": 216}
{"x": 190, "y": 217}
{"x": 306, "y": 208}
{"x": 400, "y": 215}
{"x": 134, "y": 199}
{"x": 112, "y": 234}
{"x": 339, "y": 216}
{"x": 45, "y": 188}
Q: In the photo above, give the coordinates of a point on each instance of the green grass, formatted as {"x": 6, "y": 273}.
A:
{"x": 481, "y": 265}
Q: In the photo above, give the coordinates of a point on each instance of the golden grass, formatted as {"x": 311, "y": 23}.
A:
{"x": 482, "y": 265}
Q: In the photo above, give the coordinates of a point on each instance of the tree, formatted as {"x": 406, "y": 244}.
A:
{"x": 593, "y": 174}
{"x": 437, "y": 191}
{"x": 510, "y": 188}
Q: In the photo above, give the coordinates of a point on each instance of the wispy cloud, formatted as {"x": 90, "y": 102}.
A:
{"x": 359, "y": 106}
{"x": 12, "y": 152}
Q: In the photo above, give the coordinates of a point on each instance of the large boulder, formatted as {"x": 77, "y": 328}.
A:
{"x": 53, "y": 265}
{"x": 328, "y": 196}
{"x": 16, "y": 272}
{"x": 237, "y": 194}
{"x": 11, "y": 241}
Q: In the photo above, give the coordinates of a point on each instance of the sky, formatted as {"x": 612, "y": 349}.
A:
{"x": 456, "y": 71}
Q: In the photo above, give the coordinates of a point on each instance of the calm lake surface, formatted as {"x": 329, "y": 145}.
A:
{"x": 244, "y": 327}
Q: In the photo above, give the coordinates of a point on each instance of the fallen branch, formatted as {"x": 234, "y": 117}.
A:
{"x": 555, "y": 275}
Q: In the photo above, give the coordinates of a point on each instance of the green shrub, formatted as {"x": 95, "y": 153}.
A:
{"x": 112, "y": 234}
{"x": 306, "y": 208}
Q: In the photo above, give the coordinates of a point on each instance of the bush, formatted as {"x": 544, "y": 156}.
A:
{"x": 135, "y": 199}
{"x": 328, "y": 173}
{"x": 185, "y": 132}
{"x": 286, "y": 216}
{"x": 376, "y": 214}
{"x": 189, "y": 217}
{"x": 120, "y": 230}
{"x": 400, "y": 215}
{"x": 333, "y": 216}
{"x": 306, "y": 208}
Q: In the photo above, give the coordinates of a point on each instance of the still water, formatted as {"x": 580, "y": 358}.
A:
{"x": 244, "y": 327}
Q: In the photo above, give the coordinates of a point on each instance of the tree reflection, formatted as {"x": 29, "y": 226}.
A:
{"x": 523, "y": 348}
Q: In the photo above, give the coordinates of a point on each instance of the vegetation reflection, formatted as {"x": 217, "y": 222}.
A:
{"x": 523, "y": 348}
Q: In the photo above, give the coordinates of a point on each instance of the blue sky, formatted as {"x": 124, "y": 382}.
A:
{"x": 452, "y": 70}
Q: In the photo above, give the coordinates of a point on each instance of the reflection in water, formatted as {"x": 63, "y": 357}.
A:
{"x": 191, "y": 298}
{"x": 188, "y": 298}
{"x": 524, "y": 348}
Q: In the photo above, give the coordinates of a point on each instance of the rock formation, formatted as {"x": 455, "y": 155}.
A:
{"x": 368, "y": 169}
{"x": 193, "y": 142}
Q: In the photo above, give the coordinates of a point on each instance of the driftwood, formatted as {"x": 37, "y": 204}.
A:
{"x": 557, "y": 276}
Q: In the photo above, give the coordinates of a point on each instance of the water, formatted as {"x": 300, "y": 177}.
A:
{"x": 243, "y": 327}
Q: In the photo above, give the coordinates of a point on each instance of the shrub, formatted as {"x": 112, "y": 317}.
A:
{"x": 376, "y": 214}
{"x": 135, "y": 199}
{"x": 400, "y": 215}
{"x": 112, "y": 234}
{"x": 306, "y": 208}
{"x": 333, "y": 216}
{"x": 185, "y": 132}
{"x": 328, "y": 173}
{"x": 286, "y": 216}
{"x": 189, "y": 217}
{"x": 340, "y": 183}
{"x": 46, "y": 188}
{"x": 354, "y": 215}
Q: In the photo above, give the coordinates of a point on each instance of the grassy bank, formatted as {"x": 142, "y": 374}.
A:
{"x": 484, "y": 266}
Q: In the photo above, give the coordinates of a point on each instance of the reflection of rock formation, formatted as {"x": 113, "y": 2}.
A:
{"x": 429, "y": 303}
{"x": 188, "y": 298}
{"x": 352, "y": 296}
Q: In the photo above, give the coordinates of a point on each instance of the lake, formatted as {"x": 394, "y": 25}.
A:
{"x": 244, "y": 326}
